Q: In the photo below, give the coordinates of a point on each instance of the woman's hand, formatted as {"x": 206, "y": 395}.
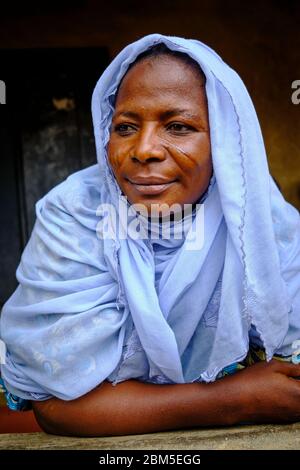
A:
{"x": 269, "y": 392}
{"x": 264, "y": 392}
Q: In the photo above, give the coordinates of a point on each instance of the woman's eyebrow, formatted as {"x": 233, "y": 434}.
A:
{"x": 164, "y": 115}
{"x": 128, "y": 114}
{"x": 179, "y": 111}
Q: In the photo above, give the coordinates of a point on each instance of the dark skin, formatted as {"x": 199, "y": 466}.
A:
{"x": 147, "y": 144}
{"x": 160, "y": 134}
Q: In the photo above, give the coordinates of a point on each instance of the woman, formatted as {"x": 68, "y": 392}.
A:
{"x": 116, "y": 329}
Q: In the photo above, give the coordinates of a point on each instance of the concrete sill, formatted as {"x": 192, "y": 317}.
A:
{"x": 274, "y": 437}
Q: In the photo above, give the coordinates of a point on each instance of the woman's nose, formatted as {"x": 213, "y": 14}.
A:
{"x": 148, "y": 147}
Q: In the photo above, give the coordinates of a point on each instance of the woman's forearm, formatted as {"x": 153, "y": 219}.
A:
{"x": 265, "y": 392}
{"x": 134, "y": 407}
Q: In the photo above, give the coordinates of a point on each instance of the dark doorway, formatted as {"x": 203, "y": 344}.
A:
{"x": 45, "y": 135}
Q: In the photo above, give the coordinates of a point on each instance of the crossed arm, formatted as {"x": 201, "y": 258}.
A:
{"x": 264, "y": 392}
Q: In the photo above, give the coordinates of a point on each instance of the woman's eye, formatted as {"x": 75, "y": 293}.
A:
{"x": 179, "y": 128}
{"x": 124, "y": 129}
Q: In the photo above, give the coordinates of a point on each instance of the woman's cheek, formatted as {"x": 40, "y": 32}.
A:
{"x": 113, "y": 154}
{"x": 117, "y": 152}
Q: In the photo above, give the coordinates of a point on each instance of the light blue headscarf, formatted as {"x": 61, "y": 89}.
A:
{"x": 87, "y": 309}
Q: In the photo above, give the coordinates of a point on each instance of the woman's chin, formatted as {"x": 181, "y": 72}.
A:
{"x": 155, "y": 207}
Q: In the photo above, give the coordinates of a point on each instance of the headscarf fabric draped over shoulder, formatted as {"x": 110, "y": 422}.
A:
{"x": 88, "y": 310}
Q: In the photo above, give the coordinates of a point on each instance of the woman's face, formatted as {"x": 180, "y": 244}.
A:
{"x": 159, "y": 146}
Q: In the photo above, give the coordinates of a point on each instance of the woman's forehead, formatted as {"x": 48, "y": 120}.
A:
{"x": 165, "y": 68}
{"x": 161, "y": 79}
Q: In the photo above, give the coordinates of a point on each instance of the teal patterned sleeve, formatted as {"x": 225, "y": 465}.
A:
{"x": 12, "y": 401}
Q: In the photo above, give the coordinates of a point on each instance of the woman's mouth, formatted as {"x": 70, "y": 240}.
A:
{"x": 150, "y": 187}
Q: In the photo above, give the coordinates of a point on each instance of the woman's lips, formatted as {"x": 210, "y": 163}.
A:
{"x": 151, "y": 189}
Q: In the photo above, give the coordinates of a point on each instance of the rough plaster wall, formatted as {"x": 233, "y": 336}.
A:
{"x": 261, "y": 40}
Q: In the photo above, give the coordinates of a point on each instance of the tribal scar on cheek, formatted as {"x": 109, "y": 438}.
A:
{"x": 170, "y": 144}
